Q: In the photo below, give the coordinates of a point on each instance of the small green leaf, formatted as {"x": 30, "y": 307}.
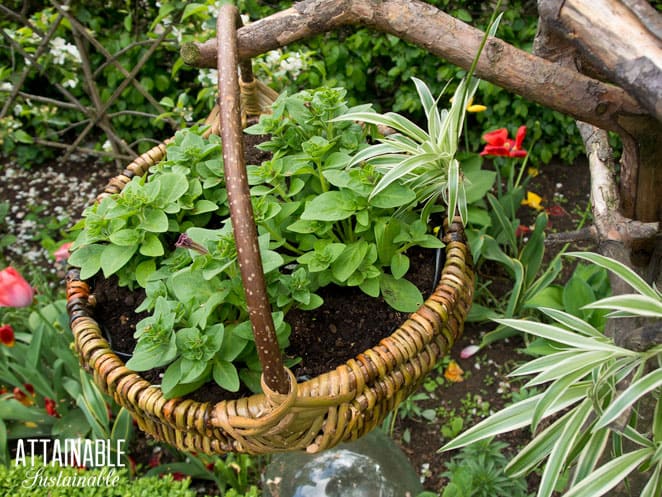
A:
{"x": 151, "y": 246}
{"x": 399, "y": 265}
{"x": 225, "y": 375}
{"x": 401, "y": 294}
{"x": 330, "y": 206}
{"x": 115, "y": 257}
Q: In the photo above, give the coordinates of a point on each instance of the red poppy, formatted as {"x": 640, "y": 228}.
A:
{"x": 14, "y": 290}
{"x": 51, "y": 407}
{"x": 499, "y": 145}
{"x": 7, "y": 335}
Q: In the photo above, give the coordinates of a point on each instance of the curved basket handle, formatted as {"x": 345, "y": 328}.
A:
{"x": 241, "y": 210}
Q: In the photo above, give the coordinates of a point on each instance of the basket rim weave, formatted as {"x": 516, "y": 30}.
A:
{"x": 340, "y": 405}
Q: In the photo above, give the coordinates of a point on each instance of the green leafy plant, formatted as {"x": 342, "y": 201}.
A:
{"x": 594, "y": 387}
{"x": 478, "y": 470}
{"x": 318, "y": 224}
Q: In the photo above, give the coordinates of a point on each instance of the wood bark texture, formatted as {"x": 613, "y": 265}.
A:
{"x": 617, "y": 40}
{"x": 241, "y": 210}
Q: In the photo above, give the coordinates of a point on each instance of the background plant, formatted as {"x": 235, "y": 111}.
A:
{"x": 595, "y": 388}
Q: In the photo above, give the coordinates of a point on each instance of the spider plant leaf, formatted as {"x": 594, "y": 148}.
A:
{"x": 515, "y": 416}
{"x": 401, "y": 170}
{"x": 609, "y": 475}
{"x": 638, "y": 305}
{"x": 542, "y": 363}
{"x": 590, "y": 455}
{"x": 374, "y": 151}
{"x": 555, "y": 391}
{"x": 453, "y": 188}
{"x": 429, "y": 104}
{"x": 390, "y": 119}
{"x": 559, "y": 456}
{"x": 620, "y": 270}
{"x": 557, "y": 334}
{"x": 572, "y": 322}
{"x": 536, "y": 450}
{"x": 654, "y": 486}
{"x": 634, "y": 392}
{"x": 583, "y": 360}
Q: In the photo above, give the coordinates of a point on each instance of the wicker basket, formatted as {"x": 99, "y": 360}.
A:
{"x": 337, "y": 406}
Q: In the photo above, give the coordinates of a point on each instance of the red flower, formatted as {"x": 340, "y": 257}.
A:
{"x": 14, "y": 290}
{"x": 177, "y": 476}
{"x": 498, "y": 143}
{"x": 62, "y": 253}
{"x": 522, "y": 230}
{"x": 51, "y": 407}
{"x": 7, "y": 335}
{"x": 27, "y": 399}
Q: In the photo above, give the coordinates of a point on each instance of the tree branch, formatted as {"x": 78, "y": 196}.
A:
{"x": 532, "y": 77}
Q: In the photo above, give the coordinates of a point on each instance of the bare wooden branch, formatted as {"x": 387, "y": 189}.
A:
{"x": 620, "y": 44}
{"x": 532, "y": 77}
{"x": 241, "y": 209}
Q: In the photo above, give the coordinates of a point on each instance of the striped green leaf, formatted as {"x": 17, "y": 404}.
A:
{"x": 631, "y": 394}
{"x": 609, "y": 475}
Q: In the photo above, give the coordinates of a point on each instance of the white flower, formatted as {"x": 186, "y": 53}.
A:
{"x": 107, "y": 147}
{"x": 63, "y": 51}
{"x": 70, "y": 83}
{"x": 18, "y": 108}
{"x": 6, "y": 86}
{"x": 208, "y": 77}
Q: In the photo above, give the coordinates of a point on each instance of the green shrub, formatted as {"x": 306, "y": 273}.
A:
{"x": 16, "y": 480}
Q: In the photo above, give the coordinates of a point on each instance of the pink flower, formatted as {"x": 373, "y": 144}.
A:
{"x": 7, "y": 335}
{"x": 469, "y": 351}
{"x": 14, "y": 290}
{"x": 62, "y": 253}
{"x": 498, "y": 143}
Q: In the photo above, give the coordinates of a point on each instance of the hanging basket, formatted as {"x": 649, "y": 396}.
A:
{"x": 337, "y": 406}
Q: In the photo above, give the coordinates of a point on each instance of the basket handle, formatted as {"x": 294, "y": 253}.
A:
{"x": 241, "y": 211}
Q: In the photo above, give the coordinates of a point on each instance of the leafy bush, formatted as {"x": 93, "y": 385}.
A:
{"x": 16, "y": 480}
